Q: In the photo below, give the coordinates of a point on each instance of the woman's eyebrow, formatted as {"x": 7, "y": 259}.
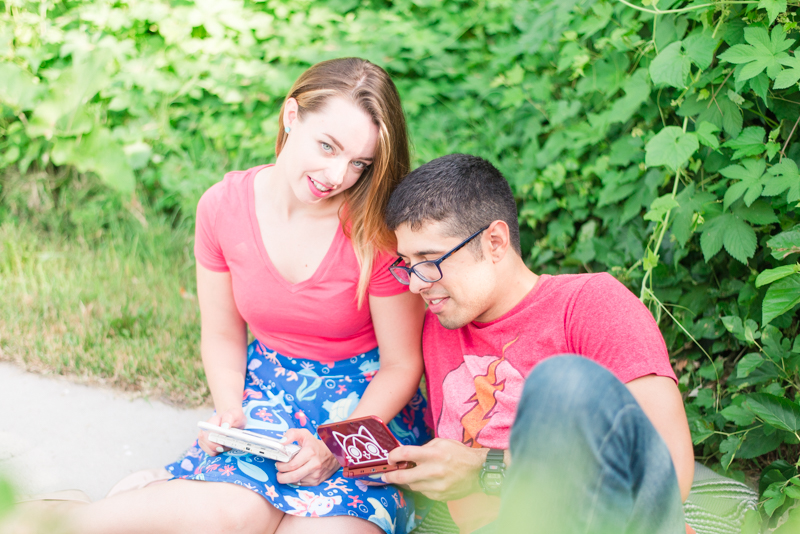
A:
{"x": 340, "y": 147}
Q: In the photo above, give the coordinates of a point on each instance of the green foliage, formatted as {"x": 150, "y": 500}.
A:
{"x": 656, "y": 141}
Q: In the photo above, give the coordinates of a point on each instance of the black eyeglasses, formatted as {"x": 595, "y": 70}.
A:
{"x": 427, "y": 271}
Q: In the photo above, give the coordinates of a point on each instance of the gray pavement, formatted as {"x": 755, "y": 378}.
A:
{"x": 56, "y": 434}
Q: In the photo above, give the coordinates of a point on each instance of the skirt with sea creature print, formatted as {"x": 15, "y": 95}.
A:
{"x": 281, "y": 393}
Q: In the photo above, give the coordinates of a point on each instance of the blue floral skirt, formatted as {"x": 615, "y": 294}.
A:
{"x": 282, "y": 393}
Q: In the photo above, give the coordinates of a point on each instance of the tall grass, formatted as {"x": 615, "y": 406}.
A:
{"x": 98, "y": 287}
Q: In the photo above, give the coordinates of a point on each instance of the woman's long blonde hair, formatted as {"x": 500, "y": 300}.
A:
{"x": 369, "y": 87}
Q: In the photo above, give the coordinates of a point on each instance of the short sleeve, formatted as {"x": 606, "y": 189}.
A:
{"x": 382, "y": 283}
{"x": 609, "y": 325}
{"x": 207, "y": 249}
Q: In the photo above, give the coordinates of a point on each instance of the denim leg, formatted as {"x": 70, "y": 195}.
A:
{"x": 585, "y": 458}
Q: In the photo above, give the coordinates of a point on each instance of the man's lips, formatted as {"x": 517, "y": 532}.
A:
{"x": 436, "y": 304}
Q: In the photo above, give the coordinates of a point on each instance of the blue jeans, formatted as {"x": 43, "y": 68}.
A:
{"x": 586, "y": 459}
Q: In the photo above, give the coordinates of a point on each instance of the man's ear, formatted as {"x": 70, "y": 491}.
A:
{"x": 290, "y": 112}
{"x": 499, "y": 240}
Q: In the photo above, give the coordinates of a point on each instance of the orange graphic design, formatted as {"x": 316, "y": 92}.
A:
{"x": 486, "y": 387}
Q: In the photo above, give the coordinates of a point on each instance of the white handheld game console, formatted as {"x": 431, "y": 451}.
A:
{"x": 251, "y": 442}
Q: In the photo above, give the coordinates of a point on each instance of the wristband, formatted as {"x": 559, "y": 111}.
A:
{"x": 493, "y": 472}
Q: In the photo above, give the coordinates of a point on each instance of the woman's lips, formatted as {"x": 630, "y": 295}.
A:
{"x": 316, "y": 192}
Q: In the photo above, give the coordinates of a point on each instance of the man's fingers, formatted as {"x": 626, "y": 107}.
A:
{"x": 410, "y": 453}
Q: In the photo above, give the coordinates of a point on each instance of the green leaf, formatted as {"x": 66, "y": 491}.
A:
{"x": 637, "y": 92}
{"x": 750, "y": 172}
{"x": 760, "y": 85}
{"x": 773, "y": 503}
{"x": 746, "y": 366}
{"x": 97, "y": 152}
{"x": 785, "y": 243}
{"x": 670, "y": 147}
{"x": 671, "y": 66}
{"x": 17, "y": 87}
{"x": 738, "y": 415}
{"x": 728, "y": 447}
{"x": 707, "y": 134}
{"x": 739, "y": 240}
{"x": 788, "y": 77}
{"x": 773, "y": 275}
{"x": 773, "y": 7}
{"x": 700, "y": 47}
{"x": 659, "y": 207}
{"x": 759, "y": 212}
{"x": 781, "y": 297}
{"x": 728, "y": 230}
{"x": 762, "y": 52}
{"x": 776, "y": 411}
{"x": 750, "y": 142}
{"x": 785, "y": 175}
{"x": 690, "y": 202}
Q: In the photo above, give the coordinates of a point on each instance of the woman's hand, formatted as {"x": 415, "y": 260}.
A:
{"x": 312, "y": 465}
{"x": 230, "y": 418}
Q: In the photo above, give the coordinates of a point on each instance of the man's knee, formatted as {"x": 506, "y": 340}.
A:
{"x": 567, "y": 383}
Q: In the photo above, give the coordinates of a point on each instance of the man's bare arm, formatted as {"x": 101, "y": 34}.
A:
{"x": 662, "y": 403}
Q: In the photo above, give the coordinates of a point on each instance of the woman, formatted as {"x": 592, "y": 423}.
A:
{"x": 294, "y": 252}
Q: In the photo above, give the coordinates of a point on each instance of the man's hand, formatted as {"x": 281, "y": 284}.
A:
{"x": 446, "y": 469}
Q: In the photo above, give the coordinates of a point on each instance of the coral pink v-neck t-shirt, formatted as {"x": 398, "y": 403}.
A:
{"x": 316, "y": 319}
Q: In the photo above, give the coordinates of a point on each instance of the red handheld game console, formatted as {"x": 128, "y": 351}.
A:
{"x": 362, "y": 446}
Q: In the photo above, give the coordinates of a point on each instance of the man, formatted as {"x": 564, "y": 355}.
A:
{"x": 525, "y": 440}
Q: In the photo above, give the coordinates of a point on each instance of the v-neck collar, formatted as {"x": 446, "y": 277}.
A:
{"x": 322, "y": 268}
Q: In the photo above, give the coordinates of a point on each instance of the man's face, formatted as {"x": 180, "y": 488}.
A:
{"x": 464, "y": 294}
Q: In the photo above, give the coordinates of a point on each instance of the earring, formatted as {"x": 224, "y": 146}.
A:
{"x": 287, "y": 129}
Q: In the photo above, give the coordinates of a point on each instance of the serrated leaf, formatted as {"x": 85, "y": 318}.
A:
{"x": 707, "y": 134}
{"x": 689, "y": 203}
{"x": 739, "y": 239}
{"x": 785, "y": 175}
{"x": 659, "y": 207}
{"x": 751, "y": 173}
{"x": 670, "y": 147}
{"x": 773, "y": 275}
{"x": 764, "y": 51}
{"x": 728, "y": 447}
{"x": 788, "y": 77}
{"x": 700, "y": 47}
{"x": 776, "y": 411}
{"x": 671, "y": 66}
{"x": 750, "y": 142}
{"x": 738, "y": 415}
{"x": 746, "y": 366}
{"x": 781, "y": 297}
{"x": 711, "y": 237}
{"x": 760, "y": 85}
{"x": 785, "y": 243}
{"x": 759, "y": 212}
{"x": 773, "y": 7}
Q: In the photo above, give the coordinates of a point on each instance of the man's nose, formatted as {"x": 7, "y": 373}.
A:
{"x": 416, "y": 284}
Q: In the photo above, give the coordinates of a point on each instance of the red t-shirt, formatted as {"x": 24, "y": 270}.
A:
{"x": 316, "y": 319}
{"x": 475, "y": 374}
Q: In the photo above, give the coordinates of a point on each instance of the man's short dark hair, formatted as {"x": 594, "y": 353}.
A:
{"x": 465, "y": 192}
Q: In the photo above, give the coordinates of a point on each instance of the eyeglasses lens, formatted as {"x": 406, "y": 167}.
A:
{"x": 401, "y": 275}
{"x": 428, "y": 271}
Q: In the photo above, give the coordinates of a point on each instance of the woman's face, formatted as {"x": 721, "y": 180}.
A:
{"x": 327, "y": 152}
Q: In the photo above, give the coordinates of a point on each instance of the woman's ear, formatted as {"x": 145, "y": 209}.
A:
{"x": 290, "y": 112}
{"x": 499, "y": 240}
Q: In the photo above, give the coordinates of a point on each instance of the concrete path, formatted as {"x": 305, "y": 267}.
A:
{"x": 55, "y": 434}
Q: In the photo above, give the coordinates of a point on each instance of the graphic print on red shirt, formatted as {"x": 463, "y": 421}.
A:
{"x": 475, "y": 374}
